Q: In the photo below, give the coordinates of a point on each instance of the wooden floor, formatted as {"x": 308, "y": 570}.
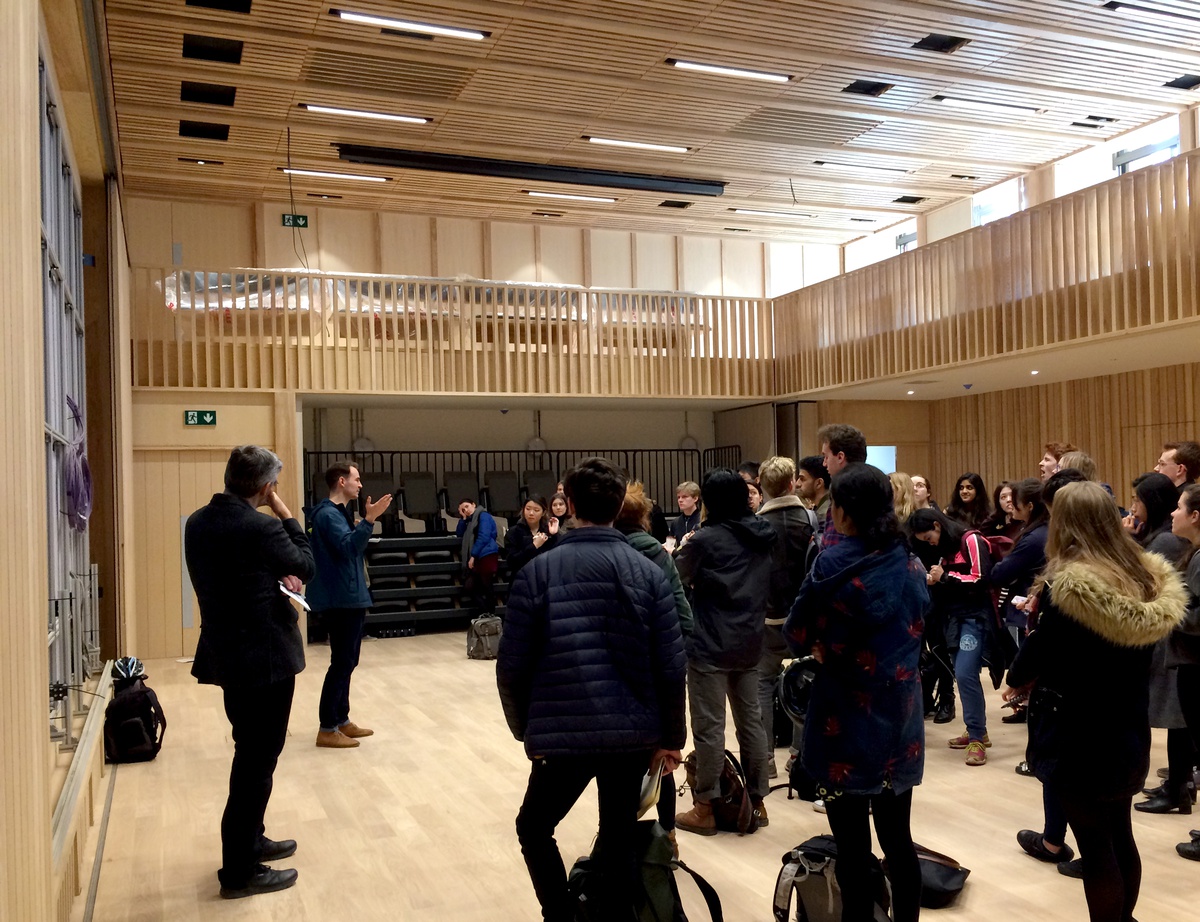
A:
{"x": 417, "y": 824}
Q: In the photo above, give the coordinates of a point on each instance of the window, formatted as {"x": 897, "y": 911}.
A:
{"x": 1100, "y": 163}
{"x": 996, "y": 203}
{"x": 1126, "y": 161}
{"x": 882, "y": 457}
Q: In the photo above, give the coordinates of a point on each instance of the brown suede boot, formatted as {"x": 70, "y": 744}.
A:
{"x": 334, "y": 739}
{"x": 760, "y": 808}
{"x": 674, "y": 844}
{"x": 353, "y": 730}
{"x": 699, "y": 819}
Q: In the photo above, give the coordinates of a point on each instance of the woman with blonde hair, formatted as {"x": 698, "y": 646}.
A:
{"x": 903, "y": 494}
{"x": 1103, "y": 604}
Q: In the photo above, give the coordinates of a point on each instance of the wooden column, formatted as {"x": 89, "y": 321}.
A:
{"x": 24, "y": 675}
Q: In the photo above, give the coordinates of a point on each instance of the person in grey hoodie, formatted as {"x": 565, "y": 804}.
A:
{"x": 727, "y": 566}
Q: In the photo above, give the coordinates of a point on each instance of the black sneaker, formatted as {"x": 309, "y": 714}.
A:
{"x": 1071, "y": 868}
{"x": 264, "y": 880}
{"x": 1024, "y": 769}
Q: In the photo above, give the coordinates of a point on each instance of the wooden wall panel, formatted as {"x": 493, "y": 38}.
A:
{"x": 742, "y": 268}
{"x": 560, "y": 255}
{"x": 25, "y": 846}
{"x": 459, "y": 248}
{"x": 209, "y": 234}
{"x": 700, "y": 265}
{"x": 406, "y": 244}
{"x": 348, "y": 241}
{"x": 654, "y": 262}
{"x": 784, "y": 267}
{"x": 905, "y": 424}
{"x": 1120, "y": 420}
{"x": 279, "y": 247}
{"x": 150, "y": 231}
{"x": 611, "y": 258}
{"x": 513, "y": 251}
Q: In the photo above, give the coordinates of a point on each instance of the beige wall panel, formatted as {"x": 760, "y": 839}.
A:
{"x": 459, "y": 248}
{"x": 742, "y": 265}
{"x": 561, "y": 255}
{"x": 149, "y": 230}
{"x": 821, "y": 263}
{"x": 348, "y": 240}
{"x": 286, "y": 247}
{"x": 753, "y": 428}
{"x": 654, "y": 262}
{"x": 612, "y": 259}
{"x": 122, "y": 423}
{"x": 405, "y": 244}
{"x": 213, "y": 236}
{"x": 513, "y": 252}
{"x": 700, "y": 265}
{"x": 25, "y": 847}
{"x": 904, "y": 424}
{"x": 242, "y": 418}
{"x": 946, "y": 222}
{"x": 784, "y": 267}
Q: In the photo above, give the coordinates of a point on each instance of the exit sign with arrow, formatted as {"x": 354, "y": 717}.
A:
{"x": 199, "y": 417}
{"x": 295, "y": 220}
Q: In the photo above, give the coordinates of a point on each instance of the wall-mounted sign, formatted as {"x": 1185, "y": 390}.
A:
{"x": 199, "y": 417}
{"x": 295, "y": 220}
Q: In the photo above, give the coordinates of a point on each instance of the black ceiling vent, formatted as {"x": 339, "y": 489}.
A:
{"x": 738, "y": 230}
{"x": 1186, "y": 82}
{"x": 909, "y": 199}
{"x": 867, "y": 88}
{"x": 228, "y": 6}
{"x": 547, "y": 214}
{"x": 522, "y": 170}
{"x": 209, "y": 48}
{"x": 863, "y": 220}
{"x": 210, "y": 131}
{"x": 199, "y": 161}
{"x": 321, "y": 195}
{"x": 1102, "y": 119}
{"x": 963, "y": 176}
{"x": 1086, "y": 125}
{"x": 210, "y": 94}
{"x": 942, "y": 44}
{"x": 674, "y": 203}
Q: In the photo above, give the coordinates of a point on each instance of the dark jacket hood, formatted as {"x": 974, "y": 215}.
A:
{"x": 755, "y": 533}
{"x": 867, "y": 583}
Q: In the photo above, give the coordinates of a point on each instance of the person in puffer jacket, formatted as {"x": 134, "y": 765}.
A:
{"x": 591, "y": 676}
{"x": 727, "y": 566}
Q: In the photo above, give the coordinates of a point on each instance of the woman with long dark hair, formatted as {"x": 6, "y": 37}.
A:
{"x": 861, "y": 611}
{"x": 969, "y": 506}
{"x": 963, "y": 601}
{"x": 1001, "y": 522}
{"x": 533, "y": 535}
{"x": 1103, "y": 605}
{"x": 1185, "y": 639}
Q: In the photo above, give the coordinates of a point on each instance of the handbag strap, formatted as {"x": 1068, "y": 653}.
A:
{"x": 711, "y": 899}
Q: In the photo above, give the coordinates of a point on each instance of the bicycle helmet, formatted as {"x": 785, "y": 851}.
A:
{"x": 795, "y": 686}
{"x": 128, "y": 667}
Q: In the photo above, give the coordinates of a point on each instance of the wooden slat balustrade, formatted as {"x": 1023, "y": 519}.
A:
{"x": 247, "y": 328}
{"x": 1112, "y": 259}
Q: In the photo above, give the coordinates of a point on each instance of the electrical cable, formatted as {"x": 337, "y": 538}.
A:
{"x": 296, "y": 235}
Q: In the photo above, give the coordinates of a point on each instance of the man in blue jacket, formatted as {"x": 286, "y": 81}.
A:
{"x": 591, "y": 674}
{"x": 339, "y": 592}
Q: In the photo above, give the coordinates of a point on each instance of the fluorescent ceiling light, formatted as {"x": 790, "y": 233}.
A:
{"x": 771, "y": 214}
{"x": 322, "y": 174}
{"x": 571, "y": 196}
{"x": 359, "y": 113}
{"x": 981, "y": 106}
{"x": 860, "y": 168}
{"x": 640, "y": 145}
{"x": 729, "y": 71}
{"x": 405, "y": 25}
{"x": 1145, "y": 12}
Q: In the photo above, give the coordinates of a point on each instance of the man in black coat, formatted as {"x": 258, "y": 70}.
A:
{"x": 250, "y": 645}
{"x": 591, "y": 675}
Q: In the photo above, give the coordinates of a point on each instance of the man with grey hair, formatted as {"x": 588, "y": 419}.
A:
{"x": 250, "y": 645}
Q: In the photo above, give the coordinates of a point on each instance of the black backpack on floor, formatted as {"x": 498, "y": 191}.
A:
{"x": 134, "y": 725}
{"x": 734, "y": 810}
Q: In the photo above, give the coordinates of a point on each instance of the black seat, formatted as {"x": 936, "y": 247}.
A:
{"x": 504, "y": 493}
{"x": 460, "y": 485}
{"x": 419, "y": 489}
{"x": 541, "y": 483}
{"x": 374, "y": 486}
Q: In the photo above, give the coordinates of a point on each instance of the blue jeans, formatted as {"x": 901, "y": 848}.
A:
{"x": 345, "y": 641}
{"x": 968, "y": 660}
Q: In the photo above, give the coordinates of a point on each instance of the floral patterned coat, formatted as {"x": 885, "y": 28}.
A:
{"x": 866, "y": 612}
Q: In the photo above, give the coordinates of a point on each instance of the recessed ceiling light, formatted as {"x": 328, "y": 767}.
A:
{"x": 324, "y": 174}
{"x": 405, "y": 25}
{"x": 322, "y": 195}
{"x": 983, "y": 106}
{"x": 200, "y": 162}
{"x": 570, "y": 195}
{"x": 964, "y": 176}
{"x": 640, "y": 145}
{"x": 547, "y": 214}
{"x": 1033, "y": 372}
{"x": 1144, "y": 12}
{"x": 360, "y": 113}
{"x": 723, "y": 71}
{"x": 910, "y": 393}
{"x": 771, "y": 214}
{"x": 859, "y": 167}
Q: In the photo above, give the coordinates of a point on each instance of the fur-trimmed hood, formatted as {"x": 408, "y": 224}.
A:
{"x": 1081, "y": 594}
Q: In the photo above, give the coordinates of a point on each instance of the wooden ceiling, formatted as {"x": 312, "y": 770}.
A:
{"x": 550, "y": 73}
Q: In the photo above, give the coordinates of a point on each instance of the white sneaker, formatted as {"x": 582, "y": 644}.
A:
{"x": 818, "y": 806}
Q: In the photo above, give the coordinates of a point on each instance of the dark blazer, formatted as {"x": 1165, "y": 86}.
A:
{"x": 236, "y": 557}
{"x": 519, "y": 548}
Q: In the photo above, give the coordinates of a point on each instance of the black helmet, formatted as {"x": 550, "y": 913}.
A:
{"x": 128, "y": 667}
{"x": 795, "y": 686}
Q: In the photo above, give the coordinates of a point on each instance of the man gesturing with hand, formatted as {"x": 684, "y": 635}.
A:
{"x": 339, "y": 592}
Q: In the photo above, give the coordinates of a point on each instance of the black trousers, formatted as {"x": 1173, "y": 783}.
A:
{"x": 1112, "y": 867}
{"x": 1189, "y": 700}
{"x": 345, "y": 626}
{"x": 259, "y": 718}
{"x": 850, "y": 825}
{"x": 555, "y": 783}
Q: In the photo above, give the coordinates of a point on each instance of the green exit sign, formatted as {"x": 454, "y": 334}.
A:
{"x": 295, "y": 220}
{"x": 199, "y": 417}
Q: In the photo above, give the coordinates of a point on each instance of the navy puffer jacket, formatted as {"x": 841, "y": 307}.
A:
{"x": 591, "y": 659}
